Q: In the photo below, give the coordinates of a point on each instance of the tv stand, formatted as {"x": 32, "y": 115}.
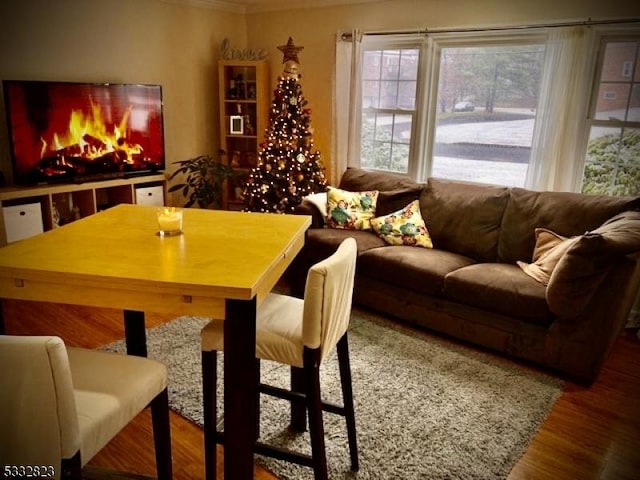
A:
{"x": 30, "y": 210}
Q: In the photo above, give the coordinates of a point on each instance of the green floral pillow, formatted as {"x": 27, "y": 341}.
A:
{"x": 403, "y": 227}
{"x": 350, "y": 210}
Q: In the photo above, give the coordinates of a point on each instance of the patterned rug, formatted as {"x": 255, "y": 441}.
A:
{"x": 425, "y": 408}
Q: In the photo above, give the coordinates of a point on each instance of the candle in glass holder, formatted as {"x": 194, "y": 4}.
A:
{"x": 169, "y": 221}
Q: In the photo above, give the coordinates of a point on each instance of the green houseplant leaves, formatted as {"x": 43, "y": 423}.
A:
{"x": 204, "y": 182}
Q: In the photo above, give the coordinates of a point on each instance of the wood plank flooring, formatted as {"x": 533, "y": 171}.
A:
{"x": 591, "y": 433}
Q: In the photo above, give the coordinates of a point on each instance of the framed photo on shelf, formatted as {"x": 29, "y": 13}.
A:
{"x": 236, "y": 124}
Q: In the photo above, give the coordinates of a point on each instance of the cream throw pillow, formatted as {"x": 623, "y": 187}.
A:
{"x": 319, "y": 200}
{"x": 549, "y": 249}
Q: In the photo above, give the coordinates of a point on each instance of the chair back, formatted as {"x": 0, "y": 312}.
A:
{"x": 38, "y": 419}
{"x": 327, "y": 298}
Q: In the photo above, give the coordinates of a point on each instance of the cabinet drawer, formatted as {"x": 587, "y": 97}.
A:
{"x": 150, "y": 196}
{"x": 22, "y": 221}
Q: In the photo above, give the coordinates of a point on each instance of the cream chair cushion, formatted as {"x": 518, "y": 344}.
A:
{"x": 110, "y": 390}
{"x": 284, "y": 325}
{"x": 55, "y": 401}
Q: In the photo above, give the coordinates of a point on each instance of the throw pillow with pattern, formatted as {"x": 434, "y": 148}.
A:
{"x": 403, "y": 227}
{"x": 350, "y": 210}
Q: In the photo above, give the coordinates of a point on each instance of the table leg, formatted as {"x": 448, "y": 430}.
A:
{"x": 240, "y": 389}
{"x": 2, "y": 330}
{"x": 135, "y": 333}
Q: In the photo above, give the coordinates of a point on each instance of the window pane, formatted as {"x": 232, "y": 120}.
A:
{"x": 390, "y": 65}
{"x": 370, "y": 94}
{"x": 385, "y": 141}
{"x": 487, "y": 98}
{"x": 371, "y": 65}
{"x": 409, "y": 65}
{"x": 613, "y": 162}
{"x": 389, "y": 95}
{"x": 612, "y": 101}
{"x": 619, "y": 59}
{"x": 407, "y": 95}
{"x": 616, "y": 93}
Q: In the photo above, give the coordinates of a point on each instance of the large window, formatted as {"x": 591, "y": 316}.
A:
{"x": 451, "y": 107}
{"x": 612, "y": 164}
{"x": 506, "y": 107}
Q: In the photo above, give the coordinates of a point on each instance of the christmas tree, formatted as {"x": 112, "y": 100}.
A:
{"x": 288, "y": 167}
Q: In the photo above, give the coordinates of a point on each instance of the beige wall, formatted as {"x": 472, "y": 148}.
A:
{"x": 135, "y": 41}
{"x": 315, "y": 30}
{"x": 177, "y": 46}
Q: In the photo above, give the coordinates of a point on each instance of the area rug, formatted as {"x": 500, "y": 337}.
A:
{"x": 425, "y": 408}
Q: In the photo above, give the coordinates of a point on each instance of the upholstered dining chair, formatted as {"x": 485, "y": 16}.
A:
{"x": 60, "y": 406}
{"x": 299, "y": 333}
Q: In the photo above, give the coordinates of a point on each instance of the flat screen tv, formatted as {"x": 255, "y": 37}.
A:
{"x": 75, "y": 132}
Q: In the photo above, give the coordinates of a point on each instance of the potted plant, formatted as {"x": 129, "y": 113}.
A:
{"x": 204, "y": 182}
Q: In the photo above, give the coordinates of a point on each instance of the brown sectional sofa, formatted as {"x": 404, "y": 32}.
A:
{"x": 469, "y": 286}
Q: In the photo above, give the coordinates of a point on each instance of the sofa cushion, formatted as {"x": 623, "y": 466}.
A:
{"x": 464, "y": 218}
{"x": 403, "y": 227}
{"x": 550, "y": 247}
{"x": 350, "y": 210}
{"x": 418, "y": 269}
{"x": 500, "y": 288}
{"x": 567, "y": 214}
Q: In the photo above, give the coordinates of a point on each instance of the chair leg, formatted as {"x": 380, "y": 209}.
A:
{"x": 347, "y": 396}
{"x": 258, "y": 398}
{"x": 71, "y": 468}
{"x": 298, "y": 411}
{"x": 162, "y": 435}
{"x": 314, "y": 405}
{"x": 209, "y": 382}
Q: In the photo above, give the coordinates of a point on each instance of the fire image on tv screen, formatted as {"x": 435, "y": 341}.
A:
{"x": 63, "y": 131}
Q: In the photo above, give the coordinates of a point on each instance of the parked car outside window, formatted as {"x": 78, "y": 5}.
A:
{"x": 464, "y": 107}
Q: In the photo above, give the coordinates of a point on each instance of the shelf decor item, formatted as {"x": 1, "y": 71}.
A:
{"x": 236, "y": 124}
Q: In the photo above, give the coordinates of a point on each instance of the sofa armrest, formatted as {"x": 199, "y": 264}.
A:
{"x": 582, "y": 269}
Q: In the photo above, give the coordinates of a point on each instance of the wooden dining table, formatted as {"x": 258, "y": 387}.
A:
{"x": 222, "y": 266}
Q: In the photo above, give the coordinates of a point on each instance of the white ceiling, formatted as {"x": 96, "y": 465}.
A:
{"x": 252, "y": 6}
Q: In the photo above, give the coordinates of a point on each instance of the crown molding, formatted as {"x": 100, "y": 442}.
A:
{"x": 232, "y": 7}
{"x": 256, "y": 6}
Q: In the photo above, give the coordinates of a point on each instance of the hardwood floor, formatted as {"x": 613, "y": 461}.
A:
{"x": 591, "y": 433}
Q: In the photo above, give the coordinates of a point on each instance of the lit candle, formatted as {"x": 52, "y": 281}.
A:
{"x": 170, "y": 220}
